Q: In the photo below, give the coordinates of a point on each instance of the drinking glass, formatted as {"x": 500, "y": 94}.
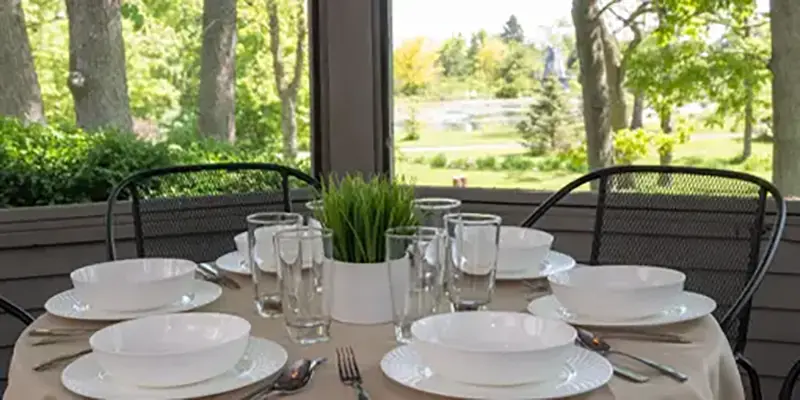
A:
{"x": 431, "y": 210}
{"x": 305, "y": 260}
{"x": 413, "y": 258}
{"x": 471, "y": 257}
{"x": 262, "y": 262}
{"x": 314, "y": 206}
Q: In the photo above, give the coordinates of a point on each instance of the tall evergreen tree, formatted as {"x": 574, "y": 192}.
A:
{"x": 512, "y": 31}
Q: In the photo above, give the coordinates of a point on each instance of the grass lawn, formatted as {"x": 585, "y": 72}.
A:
{"x": 712, "y": 152}
{"x": 490, "y": 135}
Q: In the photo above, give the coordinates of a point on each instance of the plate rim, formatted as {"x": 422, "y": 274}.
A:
{"x": 235, "y": 253}
{"x": 253, "y": 339}
{"x": 519, "y": 275}
{"x": 609, "y": 372}
{"x": 215, "y": 292}
{"x": 643, "y": 322}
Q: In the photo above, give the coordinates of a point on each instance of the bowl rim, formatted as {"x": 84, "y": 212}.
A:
{"x": 537, "y": 233}
{"x": 553, "y": 279}
{"x": 190, "y": 267}
{"x": 568, "y": 339}
{"x": 170, "y": 353}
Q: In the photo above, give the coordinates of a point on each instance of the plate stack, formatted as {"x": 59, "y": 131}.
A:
{"x": 173, "y": 356}
{"x": 497, "y": 355}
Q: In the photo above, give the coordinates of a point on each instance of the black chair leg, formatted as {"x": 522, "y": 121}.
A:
{"x": 787, "y": 388}
{"x": 752, "y": 376}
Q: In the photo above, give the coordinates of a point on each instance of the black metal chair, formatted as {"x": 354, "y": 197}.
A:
{"x": 787, "y": 389}
{"x": 721, "y": 228}
{"x": 15, "y": 311}
{"x": 193, "y": 211}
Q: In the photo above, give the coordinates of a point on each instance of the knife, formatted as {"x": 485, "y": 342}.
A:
{"x": 223, "y": 279}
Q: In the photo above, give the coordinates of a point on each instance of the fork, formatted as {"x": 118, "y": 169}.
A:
{"x": 348, "y": 371}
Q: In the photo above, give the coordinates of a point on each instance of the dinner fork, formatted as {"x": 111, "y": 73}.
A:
{"x": 348, "y": 371}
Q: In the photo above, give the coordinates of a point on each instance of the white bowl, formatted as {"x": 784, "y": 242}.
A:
{"x": 172, "y": 349}
{"x": 134, "y": 284}
{"x": 521, "y": 248}
{"x": 265, "y": 248}
{"x": 617, "y": 292}
{"x": 493, "y": 348}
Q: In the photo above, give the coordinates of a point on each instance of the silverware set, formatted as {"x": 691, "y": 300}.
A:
{"x": 211, "y": 273}
{"x": 348, "y": 371}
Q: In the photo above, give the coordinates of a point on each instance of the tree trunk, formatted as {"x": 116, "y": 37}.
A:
{"x": 614, "y": 76}
{"x": 747, "y": 150}
{"x": 785, "y": 65}
{"x": 594, "y": 87}
{"x": 217, "y": 100}
{"x": 287, "y": 91}
{"x": 665, "y": 157}
{"x": 97, "y": 65}
{"x": 637, "y": 119}
{"x": 20, "y": 95}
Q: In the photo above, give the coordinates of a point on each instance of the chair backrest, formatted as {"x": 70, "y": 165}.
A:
{"x": 787, "y": 388}
{"x": 16, "y": 311}
{"x": 193, "y": 211}
{"x": 721, "y": 228}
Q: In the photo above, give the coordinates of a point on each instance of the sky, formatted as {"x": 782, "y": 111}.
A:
{"x": 441, "y": 19}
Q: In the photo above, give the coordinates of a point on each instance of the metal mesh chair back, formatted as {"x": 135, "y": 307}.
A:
{"x": 193, "y": 212}
{"x": 721, "y": 228}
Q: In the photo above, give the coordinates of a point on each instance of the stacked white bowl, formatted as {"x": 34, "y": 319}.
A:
{"x": 522, "y": 248}
{"x": 134, "y": 284}
{"x": 493, "y": 348}
{"x": 171, "y": 350}
{"x": 617, "y": 292}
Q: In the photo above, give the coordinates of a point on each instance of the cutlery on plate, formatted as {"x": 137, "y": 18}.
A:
{"x": 60, "y": 359}
{"x": 593, "y": 342}
{"x": 622, "y": 372}
{"x": 223, "y": 279}
{"x": 291, "y": 380}
{"x": 348, "y": 371}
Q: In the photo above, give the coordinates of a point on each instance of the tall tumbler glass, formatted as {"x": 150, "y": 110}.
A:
{"x": 305, "y": 262}
{"x": 472, "y": 246}
{"x": 431, "y": 210}
{"x": 261, "y": 230}
{"x": 413, "y": 258}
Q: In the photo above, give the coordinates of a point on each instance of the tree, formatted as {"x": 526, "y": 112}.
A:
{"x": 785, "y": 66}
{"x": 476, "y": 43}
{"x": 287, "y": 88}
{"x": 453, "y": 57}
{"x": 514, "y": 72}
{"x": 489, "y": 59}
{"x": 97, "y": 76}
{"x": 19, "y": 85}
{"x": 594, "y": 87}
{"x": 414, "y": 66}
{"x": 217, "y": 103}
{"x": 512, "y": 31}
{"x": 547, "y": 119}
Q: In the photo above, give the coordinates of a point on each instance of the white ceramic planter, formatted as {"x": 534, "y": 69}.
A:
{"x": 361, "y": 293}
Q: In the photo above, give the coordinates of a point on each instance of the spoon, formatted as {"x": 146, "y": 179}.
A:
{"x": 593, "y": 342}
{"x": 291, "y": 380}
{"x": 622, "y": 372}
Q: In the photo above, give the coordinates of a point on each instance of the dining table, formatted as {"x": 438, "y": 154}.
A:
{"x": 706, "y": 358}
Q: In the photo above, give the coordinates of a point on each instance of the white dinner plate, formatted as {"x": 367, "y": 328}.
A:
{"x": 583, "y": 371}
{"x": 262, "y": 359}
{"x": 687, "y": 307}
{"x": 554, "y": 262}
{"x": 68, "y": 305}
{"x": 233, "y": 262}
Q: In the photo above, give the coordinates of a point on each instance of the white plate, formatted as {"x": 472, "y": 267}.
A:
{"x": 554, "y": 262}
{"x": 233, "y": 262}
{"x": 583, "y": 371}
{"x": 68, "y": 305}
{"x": 262, "y": 359}
{"x": 687, "y": 307}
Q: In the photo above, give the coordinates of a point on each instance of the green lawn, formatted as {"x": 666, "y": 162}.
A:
{"x": 715, "y": 153}
{"x": 434, "y": 138}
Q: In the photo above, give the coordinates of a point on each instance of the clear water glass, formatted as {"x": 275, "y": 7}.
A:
{"x": 314, "y": 206}
{"x": 305, "y": 257}
{"x": 413, "y": 257}
{"x": 431, "y": 210}
{"x": 471, "y": 259}
{"x": 262, "y": 262}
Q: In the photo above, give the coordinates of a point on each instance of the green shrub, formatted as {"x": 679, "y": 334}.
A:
{"x": 486, "y": 163}
{"x": 45, "y": 165}
{"x": 517, "y": 163}
{"x": 438, "y": 161}
{"x": 461, "y": 163}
